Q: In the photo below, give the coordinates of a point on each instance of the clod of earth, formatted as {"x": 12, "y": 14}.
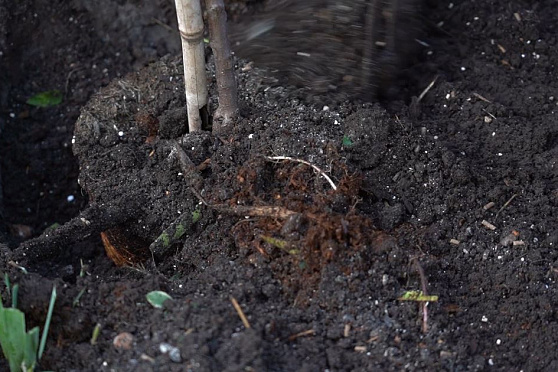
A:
{"x": 149, "y": 190}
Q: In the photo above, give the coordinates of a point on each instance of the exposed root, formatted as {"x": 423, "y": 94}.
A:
{"x": 321, "y": 172}
{"x": 93, "y": 220}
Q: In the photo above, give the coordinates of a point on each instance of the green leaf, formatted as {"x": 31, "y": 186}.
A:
{"x": 157, "y": 298}
{"x": 347, "y": 141}
{"x": 30, "y": 349}
{"x": 22, "y": 349}
{"x": 417, "y": 296}
{"x": 46, "y": 99}
{"x": 12, "y": 336}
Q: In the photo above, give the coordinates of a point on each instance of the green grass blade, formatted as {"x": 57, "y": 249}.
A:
{"x": 15, "y": 291}
{"x": 75, "y": 302}
{"x": 30, "y": 349}
{"x": 47, "y": 322}
{"x": 7, "y": 283}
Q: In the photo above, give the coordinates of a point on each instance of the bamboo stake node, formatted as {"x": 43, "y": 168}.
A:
{"x": 190, "y": 25}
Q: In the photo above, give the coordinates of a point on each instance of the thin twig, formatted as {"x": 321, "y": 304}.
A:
{"x": 240, "y": 312}
{"x": 505, "y": 205}
{"x": 491, "y": 115}
{"x": 162, "y": 24}
{"x": 322, "y": 173}
{"x": 308, "y": 332}
{"x": 421, "y": 96}
{"x": 482, "y": 98}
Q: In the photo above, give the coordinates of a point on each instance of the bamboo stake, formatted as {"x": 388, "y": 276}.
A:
{"x": 190, "y": 25}
{"x": 226, "y": 84}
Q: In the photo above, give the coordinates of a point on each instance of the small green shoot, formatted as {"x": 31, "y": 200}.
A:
{"x": 347, "y": 141}
{"x": 281, "y": 244}
{"x": 47, "y": 322}
{"x": 7, "y": 283}
{"x": 165, "y": 239}
{"x": 12, "y": 291}
{"x": 196, "y": 215}
{"x": 46, "y": 99}
{"x": 417, "y": 296}
{"x": 82, "y": 270}
{"x": 180, "y": 230}
{"x": 96, "y": 332}
{"x": 75, "y": 302}
{"x": 52, "y": 227}
{"x": 15, "y": 291}
{"x": 23, "y": 269}
{"x": 22, "y": 349}
{"x": 157, "y": 298}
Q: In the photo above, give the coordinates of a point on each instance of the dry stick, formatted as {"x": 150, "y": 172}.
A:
{"x": 505, "y": 205}
{"x": 427, "y": 89}
{"x": 190, "y": 25}
{"x": 240, "y": 312}
{"x": 308, "y": 332}
{"x": 481, "y": 97}
{"x": 424, "y": 286}
{"x": 323, "y": 174}
{"x": 162, "y": 24}
{"x": 191, "y": 173}
{"x": 226, "y": 83}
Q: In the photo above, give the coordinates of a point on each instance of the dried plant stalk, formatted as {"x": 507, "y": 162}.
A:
{"x": 226, "y": 84}
{"x": 190, "y": 25}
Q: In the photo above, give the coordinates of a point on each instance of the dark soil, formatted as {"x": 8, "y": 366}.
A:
{"x": 317, "y": 272}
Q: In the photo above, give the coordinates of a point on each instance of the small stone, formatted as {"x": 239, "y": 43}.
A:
{"x": 172, "y": 351}
{"x": 123, "y": 341}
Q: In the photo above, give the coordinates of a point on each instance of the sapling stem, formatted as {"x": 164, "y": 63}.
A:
{"x": 190, "y": 25}
{"x": 224, "y": 69}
